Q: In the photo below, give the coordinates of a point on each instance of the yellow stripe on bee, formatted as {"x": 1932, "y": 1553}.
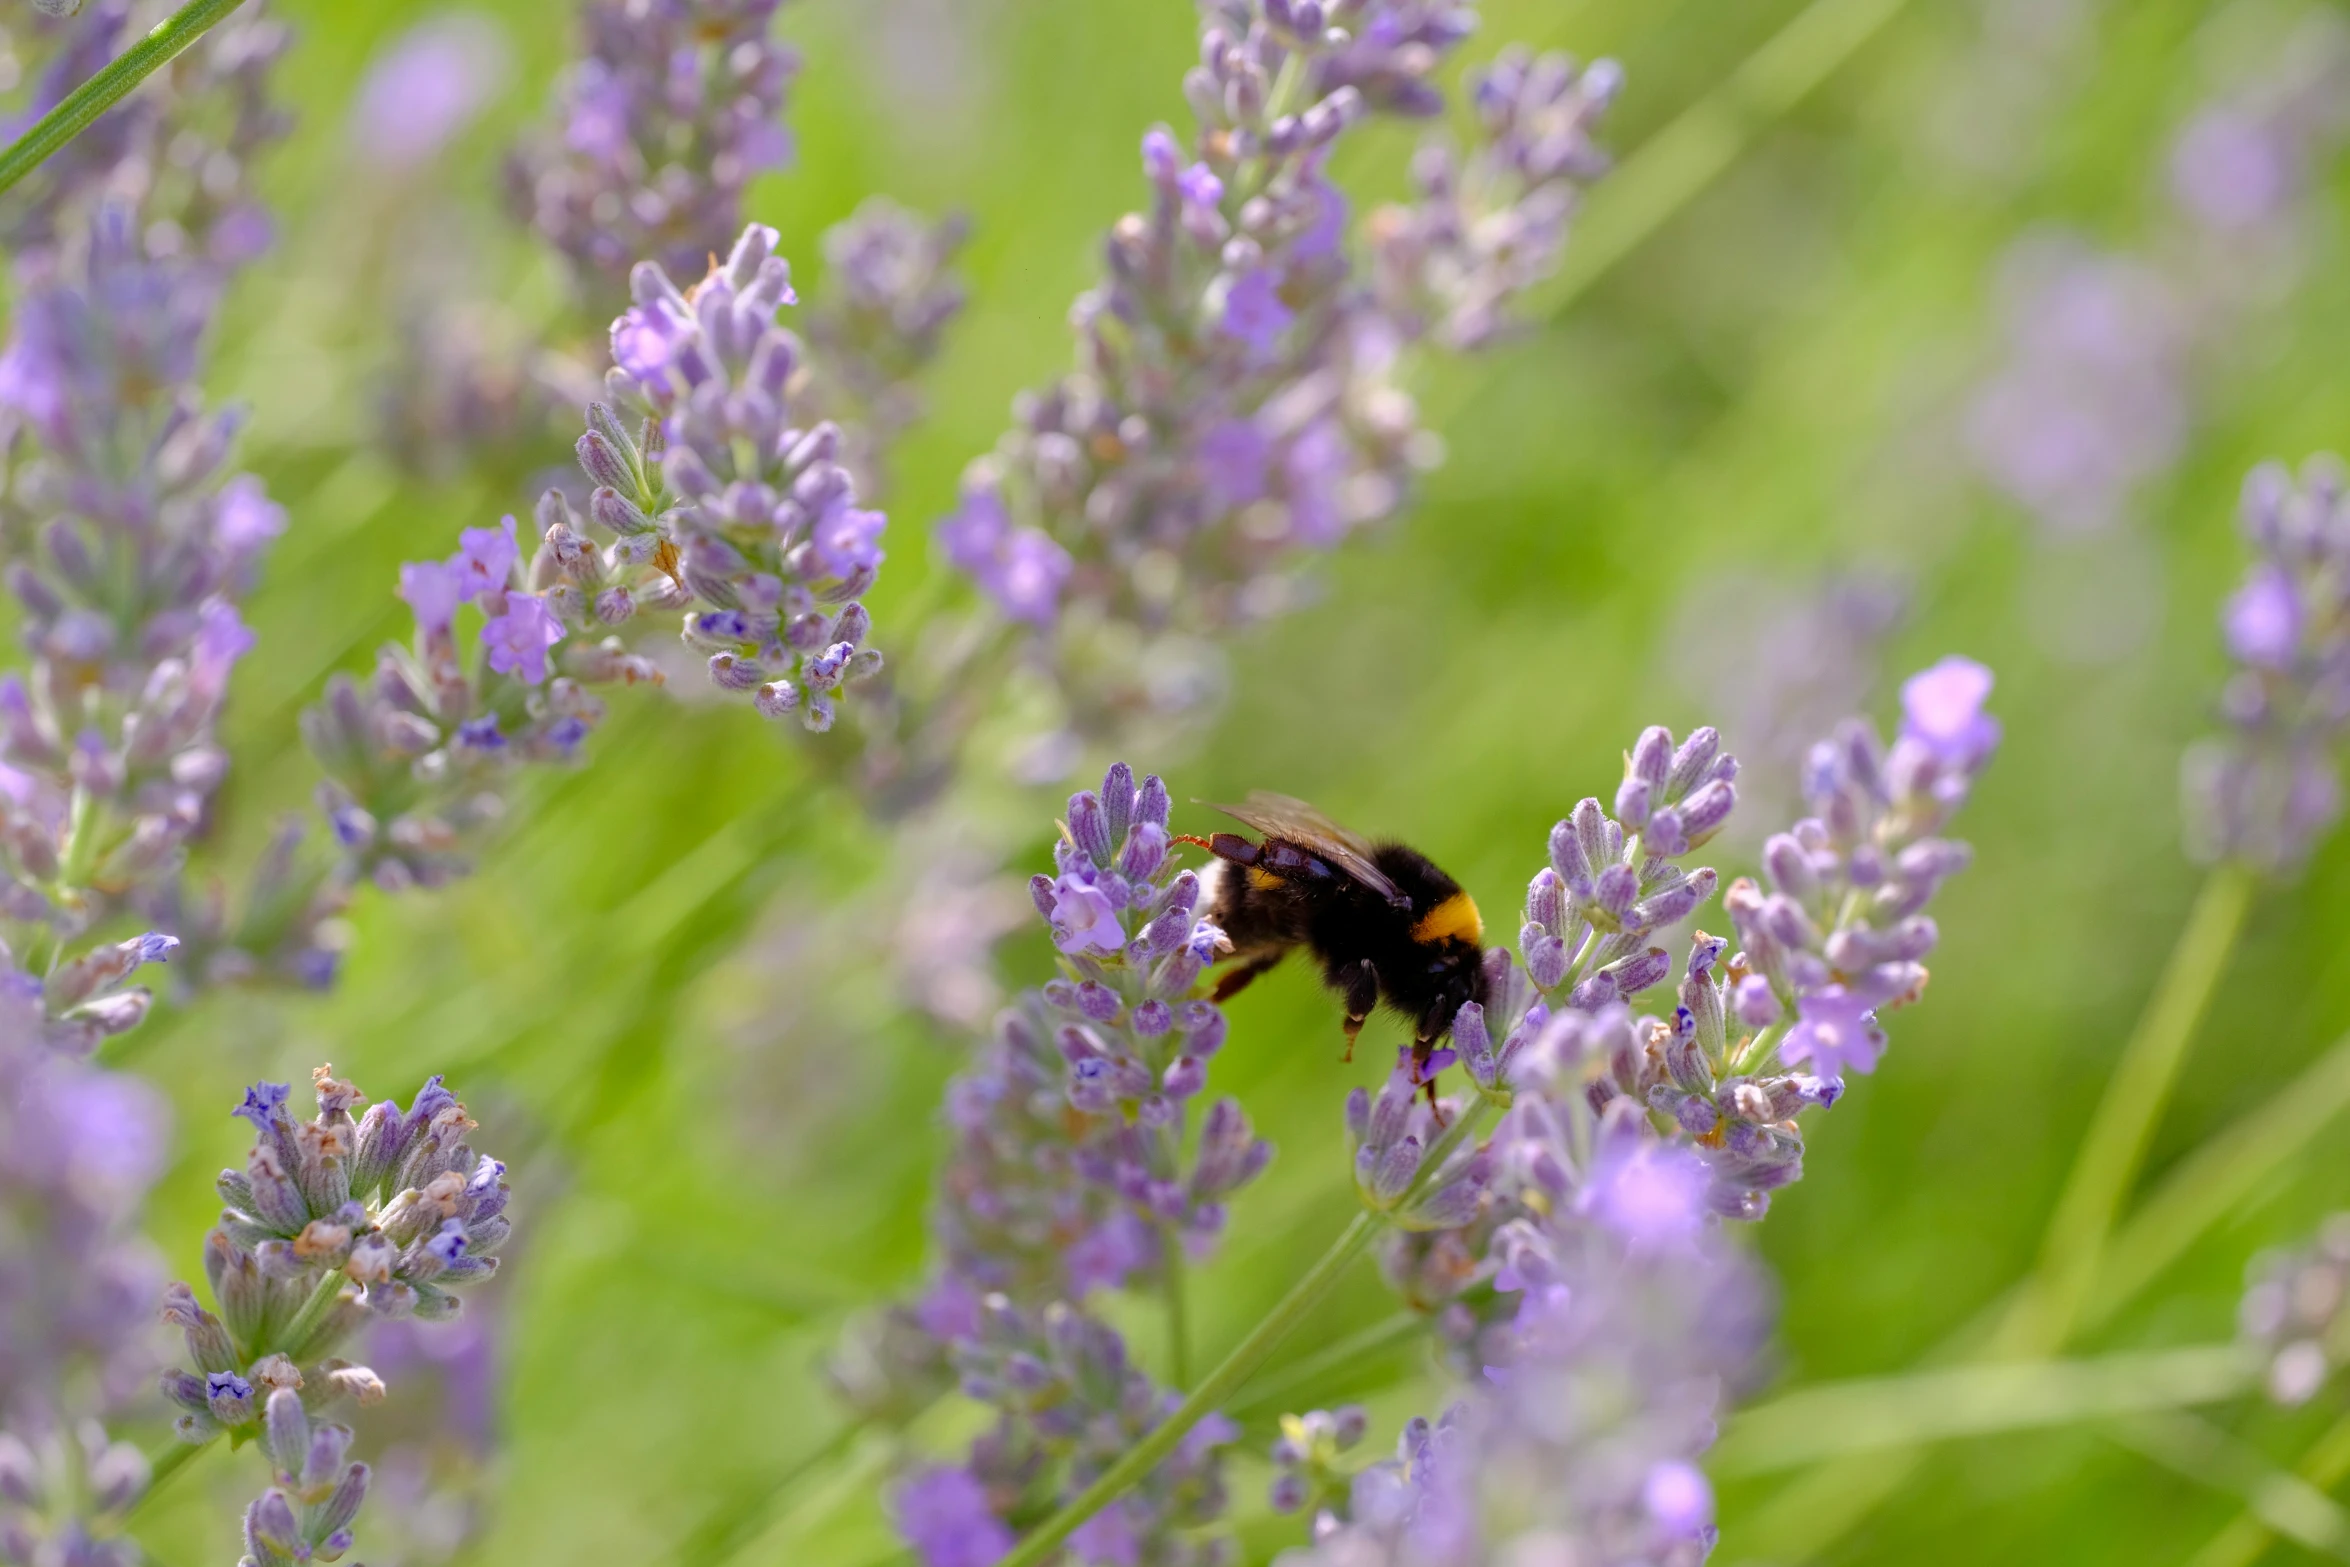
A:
{"x": 1455, "y": 916}
{"x": 1262, "y": 879}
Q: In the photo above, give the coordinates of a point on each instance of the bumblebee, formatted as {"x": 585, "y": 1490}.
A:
{"x": 1385, "y": 923}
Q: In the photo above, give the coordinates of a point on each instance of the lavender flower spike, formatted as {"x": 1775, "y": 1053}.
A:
{"x": 132, "y": 545}
{"x": 1235, "y": 409}
{"x": 2294, "y": 1312}
{"x": 890, "y": 293}
{"x": 2270, "y": 788}
{"x": 719, "y": 504}
{"x": 671, "y": 109}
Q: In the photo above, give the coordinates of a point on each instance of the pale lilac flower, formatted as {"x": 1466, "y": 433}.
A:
{"x": 1836, "y": 1031}
{"x": 2293, "y": 1308}
{"x": 518, "y": 638}
{"x": 486, "y": 558}
{"x": 1942, "y": 709}
{"x": 425, "y": 87}
{"x": 433, "y": 589}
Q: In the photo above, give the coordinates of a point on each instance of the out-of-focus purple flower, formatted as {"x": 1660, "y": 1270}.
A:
{"x": 1836, "y": 1031}
{"x": 426, "y": 86}
{"x": 1652, "y": 1194}
{"x": 2269, "y": 788}
{"x": 486, "y": 558}
{"x": 890, "y": 292}
{"x": 1942, "y": 709}
{"x": 942, "y": 1513}
{"x": 671, "y": 109}
{"x": 433, "y": 589}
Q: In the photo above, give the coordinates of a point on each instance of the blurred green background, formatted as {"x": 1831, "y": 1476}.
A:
{"x": 669, "y": 993}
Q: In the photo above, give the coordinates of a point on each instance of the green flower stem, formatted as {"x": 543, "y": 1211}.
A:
{"x": 2321, "y": 1468}
{"x": 109, "y": 86}
{"x": 163, "y": 1464}
{"x": 1178, "y": 1327}
{"x": 1236, "y": 1368}
{"x": 322, "y": 1299}
{"x": 2276, "y": 1499}
{"x": 2140, "y": 1088}
{"x": 1040, "y": 1544}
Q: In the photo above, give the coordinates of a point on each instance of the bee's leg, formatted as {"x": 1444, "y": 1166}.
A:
{"x": 1223, "y": 845}
{"x": 1235, "y": 979}
{"x": 1362, "y": 994}
{"x": 1422, "y": 1049}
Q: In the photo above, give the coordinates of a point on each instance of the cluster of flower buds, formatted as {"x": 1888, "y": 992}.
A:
{"x": 181, "y": 148}
{"x": 333, "y": 1223}
{"x": 1488, "y": 227}
{"x": 2266, "y": 792}
{"x": 890, "y": 293}
{"x": 2293, "y": 1312}
{"x": 1611, "y": 883}
{"x": 1842, "y": 930}
{"x": 131, "y": 545}
{"x": 1068, "y": 1402}
{"x": 306, "y": 1516}
{"x": 720, "y": 505}
{"x": 65, "y": 1498}
{"x": 1235, "y": 408}
{"x": 1390, "y": 1137}
{"x": 1306, "y": 1470}
{"x": 671, "y": 109}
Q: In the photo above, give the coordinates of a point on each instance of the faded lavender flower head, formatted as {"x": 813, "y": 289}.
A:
{"x": 719, "y": 504}
{"x": 65, "y": 1497}
{"x": 332, "y": 1223}
{"x": 2266, "y": 791}
{"x": 425, "y": 87}
{"x": 1235, "y": 405}
{"x": 79, "y": 1148}
{"x": 1492, "y": 224}
{"x": 671, "y": 109}
{"x": 2293, "y": 1312}
{"x": 1599, "y": 1392}
{"x": 132, "y": 544}
{"x": 890, "y": 294}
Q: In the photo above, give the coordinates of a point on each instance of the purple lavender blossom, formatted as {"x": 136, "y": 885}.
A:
{"x": 2266, "y": 791}
{"x": 943, "y": 1514}
{"x": 425, "y": 87}
{"x": 67, "y": 1497}
{"x": 1236, "y": 407}
{"x": 671, "y": 109}
{"x": 1307, "y": 1472}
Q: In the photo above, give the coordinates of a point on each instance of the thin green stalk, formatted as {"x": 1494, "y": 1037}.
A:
{"x": 163, "y": 1465}
{"x": 2241, "y": 1542}
{"x": 1178, "y": 1328}
{"x": 1305, "y": 1371}
{"x": 1675, "y": 165}
{"x": 2135, "y": 1097}
{"x": 2288, "y": 1503}
{"x": 1042, "y": 1542}
{"x": 1810, "y": 1514}
{"x": 322, "y": 1298}
{"x": 1225, "y": 1380}
{"x": 109, "y": 86}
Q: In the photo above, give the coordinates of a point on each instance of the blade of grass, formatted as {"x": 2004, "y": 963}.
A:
{"x": 1923, "y": 1406}
{"x": 78, "y": 109}
{"x": 2240, "y": 1544}
{"x": 2200, "y": 1451}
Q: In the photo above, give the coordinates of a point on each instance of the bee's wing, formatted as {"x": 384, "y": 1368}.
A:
{"x": 1280, "y": 816}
